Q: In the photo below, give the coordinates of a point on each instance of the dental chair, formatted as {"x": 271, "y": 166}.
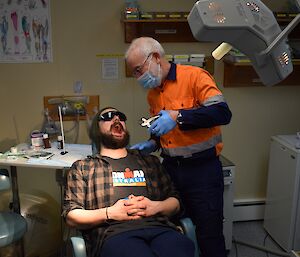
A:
{"x": 12, "y": 225}
{"x": 79, "y": 250}
{"x": 77, "y": 243}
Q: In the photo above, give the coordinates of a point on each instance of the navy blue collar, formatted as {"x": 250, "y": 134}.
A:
{"x": 172, "y": 72}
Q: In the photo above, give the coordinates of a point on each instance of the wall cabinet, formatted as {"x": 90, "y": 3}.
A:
{"x": 242, "y": 74}
{"x": 178, "y": 30}
{"x": 284, "y": 19}
{"x": 164, "y": 30}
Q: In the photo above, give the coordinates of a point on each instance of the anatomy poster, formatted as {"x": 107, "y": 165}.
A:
{"x": 25, "y": 31}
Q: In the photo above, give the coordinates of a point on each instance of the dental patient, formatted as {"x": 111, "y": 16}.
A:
{"x": 121, "y": 200}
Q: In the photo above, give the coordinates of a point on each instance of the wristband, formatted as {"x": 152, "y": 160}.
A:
{"x": 106, "y": 214}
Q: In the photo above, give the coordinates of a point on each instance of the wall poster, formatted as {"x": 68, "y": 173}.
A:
{"x": 25, "y": 31}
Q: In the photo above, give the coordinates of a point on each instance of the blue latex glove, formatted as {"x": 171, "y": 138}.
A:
{"x": 145, "y": 147}
{"x": 162, "y": 125}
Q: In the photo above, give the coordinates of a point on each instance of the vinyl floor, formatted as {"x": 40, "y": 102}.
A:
{"x": 253, "y": 233}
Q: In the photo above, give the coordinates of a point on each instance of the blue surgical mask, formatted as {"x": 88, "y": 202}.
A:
{"x": 148, "y": 80}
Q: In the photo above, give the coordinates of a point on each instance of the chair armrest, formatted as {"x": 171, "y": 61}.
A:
{"x": 78, "y": 245}
{"x": 189, "y": 230}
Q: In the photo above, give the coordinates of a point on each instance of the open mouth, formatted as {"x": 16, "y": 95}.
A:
{"x": 117, "y": 129}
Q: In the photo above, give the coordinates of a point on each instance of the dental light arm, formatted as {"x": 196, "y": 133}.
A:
{"x": 250, "y": 27}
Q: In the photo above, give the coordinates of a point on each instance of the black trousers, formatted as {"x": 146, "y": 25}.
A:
{"x": 201, "y": 185}
{"x": 148, "y": 242}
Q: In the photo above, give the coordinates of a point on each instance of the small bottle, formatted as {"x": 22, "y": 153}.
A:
{"x": 36, "y": 140}
{"x": 46, "y": 141}
{"x": 60, "y": 143}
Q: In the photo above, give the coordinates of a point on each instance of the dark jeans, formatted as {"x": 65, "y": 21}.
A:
{"x": 148, "y": 242}
{"x": 201, "y": 186}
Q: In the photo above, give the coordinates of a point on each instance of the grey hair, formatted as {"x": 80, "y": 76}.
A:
{"x": 145, "y": 46}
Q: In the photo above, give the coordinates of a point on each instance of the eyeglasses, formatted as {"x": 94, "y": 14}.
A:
{"x": 138, "y": 70}
{"x": 108, "y": 116}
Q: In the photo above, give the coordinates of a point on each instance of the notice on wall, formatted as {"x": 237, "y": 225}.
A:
{"x": 25, "y": 31}
{"x": 110, "y": 68}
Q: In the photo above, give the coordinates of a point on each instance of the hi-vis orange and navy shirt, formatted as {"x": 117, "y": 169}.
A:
{"x": 202, "y": 109}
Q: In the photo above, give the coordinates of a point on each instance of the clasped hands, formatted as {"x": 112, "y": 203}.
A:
{"x": 135, "y": 207}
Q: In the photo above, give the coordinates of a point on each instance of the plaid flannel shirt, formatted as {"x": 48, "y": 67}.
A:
{"x": 89, "y": 186}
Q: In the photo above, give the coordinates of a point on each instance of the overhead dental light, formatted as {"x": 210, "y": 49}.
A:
{"x": 250, "y": 27}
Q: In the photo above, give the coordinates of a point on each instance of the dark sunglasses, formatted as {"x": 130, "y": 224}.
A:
{"x": 108, "y": 116}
